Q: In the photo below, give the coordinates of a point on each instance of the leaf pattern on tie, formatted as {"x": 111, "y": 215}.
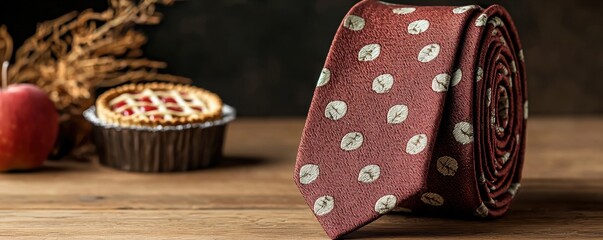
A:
{"x": 397, "y": 114}
{"x": 403, "y": 11}
{"x": 387, "y": 3}
{"x": 440, "y": 82}
{"x": 369, "y": 174}
{"x": 488, "y": 97}
{"x": 480, "y": 74}
{"x": 354, "y": 23}
{"x": 463, "y": 132}
{"x": 482, "y": 211}
{"x": 447, "y": 166}
{"x": 496, "y": 22}
{"x": 369, "y": 52}
{"x": 324, "y": 78}
{"x": 492, "y": 117}
{"x": 429, "y": 53}
{"x": 352, "y": 141}
{"x": 525, "y": 110}
{"x": 385, "y": 204}
{"x": 513, "y": 189}
{"x": 432, "y": 199}
{"x": 418, "y": 27}
{"x": 457, "y": 76}
{"x": 383, "y": 83}
{"x": 416, "y": 144}
{"x": 308, "y": 173}
{"x": 324, "y": 205}
{"x": 505, "y": 157}
{"x": 481, "y": 20}
{"x": 336, "y": 110}
{"x": 505, "y": 71}
{"x": 463, "y": 9}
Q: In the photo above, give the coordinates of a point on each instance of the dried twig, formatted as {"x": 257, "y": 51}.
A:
{"x": 6, "y": 44}
{"x": 69, "y": 57}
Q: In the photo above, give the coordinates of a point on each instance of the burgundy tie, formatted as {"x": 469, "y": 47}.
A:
{"x": 418, "y": 109}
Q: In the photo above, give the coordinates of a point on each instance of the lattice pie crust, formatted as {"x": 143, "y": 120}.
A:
{"x": 158, "y": 104}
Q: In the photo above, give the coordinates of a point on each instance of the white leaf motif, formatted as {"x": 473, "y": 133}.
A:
{"x": 525, "y": 110}
{"x": 489, "y": 96}
{"x": 429, "y": 52}
{"x": 463, "y": 132}
{"x": 354, "y": 23}
{"x": 383, "y": 83}
{"x": 324, "y": 205}
{"x": 352, "y": 141}
{"x": 387, "y": 3}
{"x": 456, "y": 77}
{"x": 505, "y": 157}
{"x": 500, "y": 129}
{"x": 492, "y": 118}
{"x": 403, "y": 11}
{"x": 369, "y": 174}
{"x": 496, "y": 22}
{"x": 324, "y": 78}
{"x": 418, "y": 26}
{"x": 447, "y": 166}
{"x": 335, "y": 110}
{"x": 433, "y": 199}
{"x": 521, "y": 57}
{"x": 463, "y": 9}
{"x": 369, "y": 52}
{"x": 440, "y": 82}
{"x": 397, "y": 114}
{"x": 416, "y": 144}
{"x": 308, "y": 173}
{"x": 482, "y": 211}
{"x": 479, "y": 75}
{"x": 481, "y": 20}
{"x": 385, "y": 204}
{"x": 505, "y": 71}
{"x": 482, "y": 178}
{"x": 513, "y": 189}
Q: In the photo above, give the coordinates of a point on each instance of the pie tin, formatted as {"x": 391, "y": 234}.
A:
{"x": 162, "y": 148}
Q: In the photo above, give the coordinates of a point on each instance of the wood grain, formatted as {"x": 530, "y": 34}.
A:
{"x": 251, "y": 195}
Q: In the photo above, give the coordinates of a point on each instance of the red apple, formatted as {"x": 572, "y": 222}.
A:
{"x": 28, "y": 127}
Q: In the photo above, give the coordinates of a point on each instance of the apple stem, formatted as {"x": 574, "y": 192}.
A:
{"x": 5, "y": 74}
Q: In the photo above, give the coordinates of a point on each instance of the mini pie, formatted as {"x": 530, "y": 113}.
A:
{"x": 158, "y": 104}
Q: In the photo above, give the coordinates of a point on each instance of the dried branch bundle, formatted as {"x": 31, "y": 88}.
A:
{"x": 69, "y": 57}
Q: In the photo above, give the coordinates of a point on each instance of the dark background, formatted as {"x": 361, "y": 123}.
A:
{"x": 264, "y": 56}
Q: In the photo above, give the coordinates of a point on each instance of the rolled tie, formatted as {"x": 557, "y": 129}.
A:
{"x": 418, "y": 108}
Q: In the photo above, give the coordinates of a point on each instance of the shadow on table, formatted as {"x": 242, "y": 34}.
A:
{"x": 42, "y": 169}
{"x": 544, "y": 208}
{"x": 52, "y": 167}
{"x": 70, "y": 165}
{"x": 239, "y": 161}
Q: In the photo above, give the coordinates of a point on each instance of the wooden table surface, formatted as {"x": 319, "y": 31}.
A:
{"x": 251, "y": 195}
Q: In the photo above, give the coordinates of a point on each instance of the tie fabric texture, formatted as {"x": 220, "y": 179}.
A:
{"x": 418, "y": 108}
